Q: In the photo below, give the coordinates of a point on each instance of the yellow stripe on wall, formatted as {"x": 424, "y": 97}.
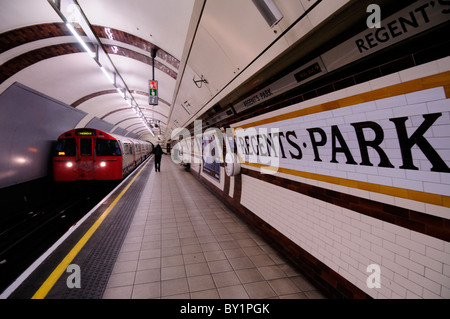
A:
{"x": 428, "y": 198}
{"x": 432, "y": 81}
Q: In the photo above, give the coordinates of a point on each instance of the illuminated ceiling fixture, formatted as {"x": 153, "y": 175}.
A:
{"x": 98, "y": 54}
{"x": 269, "y": 11}
{"x": 108, "y": 76}
{"x": 77, "y": 36}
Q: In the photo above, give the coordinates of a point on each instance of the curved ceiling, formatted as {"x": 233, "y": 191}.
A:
{"x": 205, "y": 50}
{"x": 38, "y": 50}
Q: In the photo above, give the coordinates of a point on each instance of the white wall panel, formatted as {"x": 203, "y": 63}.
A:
{"x": 31, "y": 123}
{"x": 412, "y": 264}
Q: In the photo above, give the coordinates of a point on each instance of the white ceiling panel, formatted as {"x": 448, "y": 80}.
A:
{"x": 101, "y": 105}
{"x": 65, "y": 78}
{"x": 225, "y": 41}
{"x": 209, "y": 60}
{"x": 164, "y": 23}
{"x": 238, "y": 29}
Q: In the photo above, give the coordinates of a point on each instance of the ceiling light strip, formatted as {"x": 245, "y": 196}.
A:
{"x": 85, "y": 25}
{"x": 77, "y": 36}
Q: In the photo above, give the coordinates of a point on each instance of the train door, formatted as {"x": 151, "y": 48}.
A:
{"x": 133, "y": 150}
{"x": 86, "y": 162}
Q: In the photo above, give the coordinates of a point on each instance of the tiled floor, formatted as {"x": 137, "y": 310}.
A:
{"x": 184, "y": 243}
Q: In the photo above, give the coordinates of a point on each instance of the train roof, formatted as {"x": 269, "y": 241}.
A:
{"x": 97, "y": 133}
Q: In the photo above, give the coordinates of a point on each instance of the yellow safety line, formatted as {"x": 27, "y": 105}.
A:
{"x": 56, "y": 274}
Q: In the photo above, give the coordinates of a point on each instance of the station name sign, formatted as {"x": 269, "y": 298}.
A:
{"x": 330, "y": 144}
{"x": 418, "y": 17}
{"x": 306, "y": 72}
{"x": 394, "y": 142}
{"x": 300, "y": 75}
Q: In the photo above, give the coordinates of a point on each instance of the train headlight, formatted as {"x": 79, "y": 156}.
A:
{"x": 69, "y": 164}
{"x": 102, "y": 164}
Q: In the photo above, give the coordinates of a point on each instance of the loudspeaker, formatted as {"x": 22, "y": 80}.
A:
{"x": 269, "y": 11}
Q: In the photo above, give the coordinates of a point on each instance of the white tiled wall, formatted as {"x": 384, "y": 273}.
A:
{"x": 427, "y": 69}
{"x": 413, "y": 105}
{"x": 413, "y": 265}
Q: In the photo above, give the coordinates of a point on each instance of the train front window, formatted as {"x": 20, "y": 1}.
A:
{"x": 66, "y": 147}
{"x": 85, "y": 147}
{"x": 107, "y": 147}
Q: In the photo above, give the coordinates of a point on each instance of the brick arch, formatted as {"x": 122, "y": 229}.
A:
{"x": 141, "y": 132}
{"x": 116, "y": 50}
{"x": 17, "y": 37}
{"x": 25, "y": 60}
{"x": 128, "y": 109}
{"x": 17, "y": 64}
{"x": 113, "y": 91}
{"x": 138, "y": 42}
{"x": 134, "y": 124}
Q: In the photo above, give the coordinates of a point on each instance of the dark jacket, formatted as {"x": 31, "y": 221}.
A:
{"x": 158, "y": 152}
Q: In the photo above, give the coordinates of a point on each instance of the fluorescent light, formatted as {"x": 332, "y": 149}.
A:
{"x": 107, "y": 74}
{"x": 110, "y": 75}
{"x": 77, "y": 36}
{"x": 122, "y": 94}
{"x": 269, "y": 11}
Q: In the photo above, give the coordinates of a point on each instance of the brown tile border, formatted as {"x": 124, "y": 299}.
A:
{"x": 327, "y": 280}
{"x": 19, "y": 36}
{"x": 113, "y": 91}
{"x": 91, "y": 96}
{"x": 17, "y": 64}
{"x": 144, "y": 109}
{"x": 116, "y": 50}
{"x": 25, "y": 60}
{"x": 434, "y": 226}
{"x": 138, "y": 42}
{"x": 14, "y": 38}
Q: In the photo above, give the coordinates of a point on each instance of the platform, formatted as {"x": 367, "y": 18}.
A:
{"x": 163, "y": 235}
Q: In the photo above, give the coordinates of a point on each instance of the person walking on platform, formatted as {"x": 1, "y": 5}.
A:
{"x": 158, "y": 154}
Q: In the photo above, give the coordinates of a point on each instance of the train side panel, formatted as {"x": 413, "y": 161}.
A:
{"x": 127, "y": 155}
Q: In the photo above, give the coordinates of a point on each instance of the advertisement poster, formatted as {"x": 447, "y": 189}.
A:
{"x": 211, "y": 156}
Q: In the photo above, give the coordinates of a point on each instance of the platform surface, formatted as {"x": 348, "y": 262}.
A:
{"x": 165, "y": 236}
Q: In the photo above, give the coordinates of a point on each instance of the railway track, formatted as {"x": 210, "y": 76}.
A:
{"x": 29, "y": 230}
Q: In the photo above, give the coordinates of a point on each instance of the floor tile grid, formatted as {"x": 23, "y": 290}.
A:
{"x": 184, "y": 243}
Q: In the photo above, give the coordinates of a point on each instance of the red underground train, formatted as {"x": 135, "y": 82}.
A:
{"x": 90, "y": 154}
